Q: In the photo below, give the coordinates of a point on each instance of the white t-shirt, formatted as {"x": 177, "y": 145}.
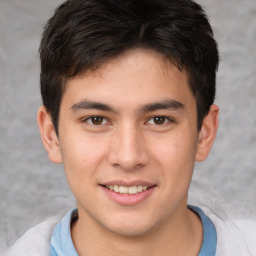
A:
{"x": 235, "y": 236}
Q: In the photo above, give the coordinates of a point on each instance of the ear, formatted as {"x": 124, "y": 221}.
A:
{"x": 207, "y": 133}
{"x": 48, "y": 135}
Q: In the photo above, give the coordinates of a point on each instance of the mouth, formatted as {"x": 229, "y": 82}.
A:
{"x": 128, "y": 193}
{"x": 129, "y": 190}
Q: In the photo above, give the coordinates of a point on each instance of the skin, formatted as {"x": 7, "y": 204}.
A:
{"x": 133, "y": 139}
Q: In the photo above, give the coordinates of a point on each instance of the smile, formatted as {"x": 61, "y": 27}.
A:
{"x": 131, "y": 190}
{"x": 128, "y": 193}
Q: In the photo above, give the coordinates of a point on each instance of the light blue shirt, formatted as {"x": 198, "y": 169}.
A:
{"x": 209, "y": 233}
{"x": 61, "y": 241}
{"x": 62, "y": 244}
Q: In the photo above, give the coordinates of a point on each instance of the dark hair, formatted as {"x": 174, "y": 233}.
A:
{"x": 83, "y": 34}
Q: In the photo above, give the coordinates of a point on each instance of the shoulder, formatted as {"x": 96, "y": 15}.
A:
{"x": 36, "y": 241}
{"x": 236, "y": 234}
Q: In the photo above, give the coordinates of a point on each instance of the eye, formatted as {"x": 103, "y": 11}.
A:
{"x": 96, "y": 120}
{"x": 159, "y": 120}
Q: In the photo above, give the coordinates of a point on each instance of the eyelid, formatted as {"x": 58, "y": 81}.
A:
{"x": 106, "y": 121}
{"x": 86, "y": 120}
{"x": 167, "y": 119}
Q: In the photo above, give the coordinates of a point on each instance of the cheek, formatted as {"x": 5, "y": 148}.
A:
{"x": 81, "y": 158}
{"x": 174, "y": 162}
{"x": 175, "y": 157}
{"x": 178, "y": 148}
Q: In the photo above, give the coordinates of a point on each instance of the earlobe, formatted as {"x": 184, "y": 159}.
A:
{"x": 207, "y": 133}
{"x": 48, "y": 135}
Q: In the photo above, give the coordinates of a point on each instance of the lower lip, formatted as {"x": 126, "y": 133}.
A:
{"x": 127, "y": 199}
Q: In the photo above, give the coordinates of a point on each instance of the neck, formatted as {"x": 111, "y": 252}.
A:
{"x": 181, "y": 235}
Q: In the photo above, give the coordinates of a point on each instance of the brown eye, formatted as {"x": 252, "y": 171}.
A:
{"x": 159, "y": 120}
{"x": 96, "y": 120}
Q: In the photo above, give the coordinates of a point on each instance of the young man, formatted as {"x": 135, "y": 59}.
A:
{"x": 128, "y": 90}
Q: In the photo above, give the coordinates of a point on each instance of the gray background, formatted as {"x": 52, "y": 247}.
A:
{"x": 32, "y": 188}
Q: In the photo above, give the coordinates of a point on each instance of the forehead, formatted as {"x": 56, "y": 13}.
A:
{"x": 140, "y": 58}
{"x": 138, "y": 76}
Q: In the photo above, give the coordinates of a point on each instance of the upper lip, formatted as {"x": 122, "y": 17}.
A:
{"x": 128, "y": 183}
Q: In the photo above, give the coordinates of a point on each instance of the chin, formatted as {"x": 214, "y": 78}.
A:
{"x": 130, "y": 227}
{"x": 131, "y": 231}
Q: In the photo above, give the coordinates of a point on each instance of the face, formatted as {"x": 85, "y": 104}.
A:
{"x": 128, "y": 140}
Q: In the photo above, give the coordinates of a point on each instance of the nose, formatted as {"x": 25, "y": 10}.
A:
{"x": 128, "y": 149}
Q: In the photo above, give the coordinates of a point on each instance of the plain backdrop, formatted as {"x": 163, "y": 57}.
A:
{"x": 32, "y": 188}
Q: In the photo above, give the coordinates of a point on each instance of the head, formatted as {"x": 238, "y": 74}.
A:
{"x": 128, "y": 88}
{"x": 84, "y": 34}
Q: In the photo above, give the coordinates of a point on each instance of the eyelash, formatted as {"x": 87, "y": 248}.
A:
{"x": 89, "y": 120}
{"x": 105, "y": 121}
{"x": 166, "y": 120}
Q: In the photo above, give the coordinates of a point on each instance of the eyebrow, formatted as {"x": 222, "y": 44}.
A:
{"x": 166, "y": 104}
{"x": 85, "y": 104}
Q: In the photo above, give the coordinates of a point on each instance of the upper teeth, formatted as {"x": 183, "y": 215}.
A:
{"x": 127, "y": 190}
